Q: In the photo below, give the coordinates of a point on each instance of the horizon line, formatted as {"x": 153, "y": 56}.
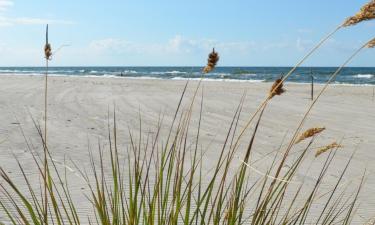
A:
{"x": 192, "y": 66}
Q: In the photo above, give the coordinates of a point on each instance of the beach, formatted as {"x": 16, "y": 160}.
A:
{"x": 80, "y": 109}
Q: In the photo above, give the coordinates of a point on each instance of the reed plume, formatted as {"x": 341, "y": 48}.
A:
{"x": 327, "y": 148}
{"x": 47, "y": 47}
{"x": 367, "y": 12}
{"x": 371, "y": 44}
{"x": 212, "y": 60}
{"x": 309, "y": 133}
{"x": 47, "y": 51}
{"x": 365, "y": 15}
{"x": 277, "y": 88}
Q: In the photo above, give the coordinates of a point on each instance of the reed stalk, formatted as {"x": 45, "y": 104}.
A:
{"x": 333, "y": 76}
{"x": 176, "y": 195}
{"x": 263, "y": 104}
{"x": 367, "y": 12}
{"x": 47, "y": 54}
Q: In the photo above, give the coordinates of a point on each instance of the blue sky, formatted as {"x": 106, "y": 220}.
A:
{"x": 180, "y": 33}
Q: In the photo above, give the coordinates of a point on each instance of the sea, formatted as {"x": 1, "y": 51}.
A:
{"x": 349, "y": 75}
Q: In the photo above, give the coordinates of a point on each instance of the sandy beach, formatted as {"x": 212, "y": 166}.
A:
{"x": 80, "y": 108}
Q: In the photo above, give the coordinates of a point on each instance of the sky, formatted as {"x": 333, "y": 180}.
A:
{"x": 181, "y": 33}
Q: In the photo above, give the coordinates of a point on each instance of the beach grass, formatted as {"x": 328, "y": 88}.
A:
{"x": 160, "y": 179}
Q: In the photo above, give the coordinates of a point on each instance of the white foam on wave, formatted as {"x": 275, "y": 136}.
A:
{"x": 105, "y": 76}
{"x": 22, "y": 74}
{"x": 18, "y": 71}
{"x": 130, "y": 72}
{"x": 218, "y": 74}
{"x": 248, "y": 74}
{"x": 122, "y": 77}
{"x": 367, "y": 76}
{"x": 167, "y": 72}
{"x": 216, "y": 79}
{"x": 61, "y": 71}
{"x": 144, "y": 78}
{"x": 6, "y": 71}
{"x": 352, "y": 85}
{"x": 175, "y": 72}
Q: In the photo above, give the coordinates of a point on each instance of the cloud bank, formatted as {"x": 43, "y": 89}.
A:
{"x": 6, "y": 5}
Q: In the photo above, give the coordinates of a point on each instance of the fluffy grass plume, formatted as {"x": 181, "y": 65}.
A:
{"x": 277, "y": 88}
{"x": 48, "y": 51}
{"x": 212, "y": 60}
{"x": 47, "y": 47}
{"x": 367, "y": 12}
{"x": 327, "y": 148}
{"x": 179, "y": 193}
{"x": 309, "y": 133}
{"x": 371, "y": 44}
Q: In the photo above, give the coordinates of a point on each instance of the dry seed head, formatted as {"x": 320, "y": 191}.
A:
{"x": 47, "y": 51}
{"x": 327, "y": 148}
{"x": 309, "y": 133}
{"x": 212, "y": 60}
{"x": 367, "y": 12}
{"x": 277, "y": 88}
{"x": 47, "y": 47}
{"x": 226, "y": 215}
{"x": 371, "y": 44}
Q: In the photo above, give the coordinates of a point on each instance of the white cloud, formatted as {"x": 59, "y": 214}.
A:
{"x": 108, "y": 44}
{"x": 11, "y": 21}
{"x": 5, "y": 4}
{"x": 299, "y": 45}
{"x": 304, "y": 44}
{"x": 305, "y": 30}
{"x": 38, "y": 21}
{"x": 343, "y": 47}
{"x": 115, "y": 45}
{"x": 6, "y": 21}
{"x": 179, "y": 44}
{"x": 176, "y": 45}
{"x": 274, "y": 45}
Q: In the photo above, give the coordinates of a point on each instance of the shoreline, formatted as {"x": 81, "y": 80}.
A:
{"x": 229, "y": 80}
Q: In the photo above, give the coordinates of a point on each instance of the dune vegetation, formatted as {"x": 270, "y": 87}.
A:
{"x": 158, "y": 179}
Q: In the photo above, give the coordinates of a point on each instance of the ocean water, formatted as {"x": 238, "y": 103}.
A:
{"x": 349, "y": 75}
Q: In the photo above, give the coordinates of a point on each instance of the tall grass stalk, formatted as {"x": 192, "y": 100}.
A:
{"x": 47, "y": 51}
{"x": 366, "y": 13}
{"x": 297, "y": 130}
{"x": 332, "y": 77}
{"x": 160, "y": 180}
{"x": 267, "y": 99}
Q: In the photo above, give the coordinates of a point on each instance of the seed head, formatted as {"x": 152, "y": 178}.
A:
{"x": 47, "y": 47}
{"x": 226, "y": 215}
{"x": 371, "y": 44}
{"x": 277, "y": 88}
{"x": 327, "y": 148}
{"x": 212, "y": 60}
{"x": 367, "y": 12}
{"x": 48, "y": 51}
{"x": 309, "y": 133}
